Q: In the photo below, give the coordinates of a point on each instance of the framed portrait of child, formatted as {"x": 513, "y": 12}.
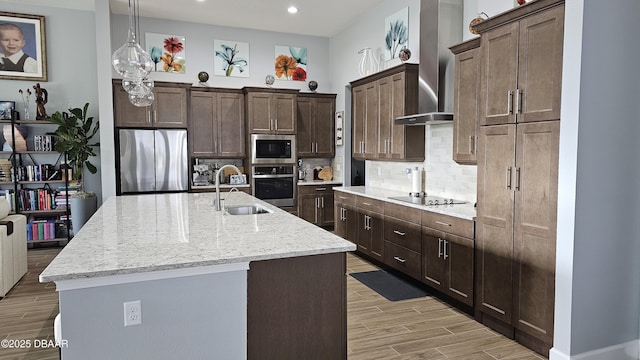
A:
{"x": 22, "y": 47}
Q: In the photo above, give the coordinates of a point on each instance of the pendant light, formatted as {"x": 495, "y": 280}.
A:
{"x": 134, "y": 64}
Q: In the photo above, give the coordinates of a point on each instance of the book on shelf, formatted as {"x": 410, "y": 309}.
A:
{"x": 44, "y": 229}
{"x": 8, "y": 194}
{"x": 43, "y": 142}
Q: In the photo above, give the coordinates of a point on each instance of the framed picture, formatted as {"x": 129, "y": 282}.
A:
{"x": 167, "y": 52}
{"x": 24, "y": 56}
{"x": 291, "y": 63}
{"x": 232, "y": 58}
{"x": 396, "y": 33}
{"x": 6, "y": 110}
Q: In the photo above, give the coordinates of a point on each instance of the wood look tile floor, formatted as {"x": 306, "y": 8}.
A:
{"x": 423, "y": 328}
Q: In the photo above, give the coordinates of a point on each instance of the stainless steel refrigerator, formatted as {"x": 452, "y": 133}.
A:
{"x": 153, "y": 160}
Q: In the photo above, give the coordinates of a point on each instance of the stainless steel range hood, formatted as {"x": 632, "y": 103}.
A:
{"x": 440, "y": 28}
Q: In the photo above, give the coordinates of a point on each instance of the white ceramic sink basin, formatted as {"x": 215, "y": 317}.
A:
{"x": 247, "y": 210}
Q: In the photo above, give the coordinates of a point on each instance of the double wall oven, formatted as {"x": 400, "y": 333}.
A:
{"x": 273, "y": 168}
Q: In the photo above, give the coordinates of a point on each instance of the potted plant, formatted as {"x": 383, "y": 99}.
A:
{"x": 74, "y": 133}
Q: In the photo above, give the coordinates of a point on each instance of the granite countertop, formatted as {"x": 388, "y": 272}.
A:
{"x": 463, "y": 211}
{"x": 319, "y": 182}
{"x": 145, "y": 233}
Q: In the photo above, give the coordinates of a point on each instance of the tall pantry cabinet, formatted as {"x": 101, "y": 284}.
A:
{"x": 519, "y": 118}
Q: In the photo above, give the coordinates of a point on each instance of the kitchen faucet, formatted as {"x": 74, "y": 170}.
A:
{"x": 218, "y": 207}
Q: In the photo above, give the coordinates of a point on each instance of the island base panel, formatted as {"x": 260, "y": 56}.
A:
{"x": 297, "y": 308}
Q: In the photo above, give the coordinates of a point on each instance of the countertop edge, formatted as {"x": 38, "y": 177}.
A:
{"x": 445, "y": 209}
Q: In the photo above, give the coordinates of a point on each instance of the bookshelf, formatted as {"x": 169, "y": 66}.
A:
{"x": 35, "y": 180}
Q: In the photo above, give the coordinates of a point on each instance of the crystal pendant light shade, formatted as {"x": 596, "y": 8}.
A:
{"x": 134, "y": 65}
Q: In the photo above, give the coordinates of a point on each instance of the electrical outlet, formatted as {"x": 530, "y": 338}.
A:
{"x": 132, "y": 313}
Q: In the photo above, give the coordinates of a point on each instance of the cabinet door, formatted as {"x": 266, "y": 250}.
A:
{"x": 359, "y": 112}
{"x": 363, "y": 234}
{"x": 308, "y": 207}
{"x": 304, "y": 135}
{"x": 326, "y": 206}
{"x": 459, "y": 267}
{"x": 127, "y": 115}
{"x": 230, "y": 126}
{"x": 259, "y": 113}
{"x": 540, "y": 66}
{"x": 170, "y": 107}
{"x": 340, "y": 220}
{"x": 433, "y": 259}
{"x": 385, "y": 117}
{"x": 371, "y": 120}
{"x": 536, "y": 196}
{"x": 352, "y": 219}
{"x": 376, "y": 224}
{"x": 465, "y": 106}
{"x": 494, "y": 222}
{"x": 397, "y": 146}
{"x": 284, "y": 106}
{"x": 499, "y": 49}
{"x": 202, "y": 127}
{"x": 325, "y": 127}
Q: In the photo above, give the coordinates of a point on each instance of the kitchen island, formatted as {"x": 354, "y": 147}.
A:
{"x": 211, "y": 285}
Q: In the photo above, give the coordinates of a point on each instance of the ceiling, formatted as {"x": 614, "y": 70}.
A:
{"x": 315, "y": 17}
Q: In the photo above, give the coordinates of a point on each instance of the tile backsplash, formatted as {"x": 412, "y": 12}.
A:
{"x": 441, "y": 177}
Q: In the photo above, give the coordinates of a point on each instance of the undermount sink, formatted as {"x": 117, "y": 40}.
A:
{"x": 247, "y": 210}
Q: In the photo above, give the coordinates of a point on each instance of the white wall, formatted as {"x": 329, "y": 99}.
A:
{"x": 598, "y": 234}
{"x": 71, "y": 68}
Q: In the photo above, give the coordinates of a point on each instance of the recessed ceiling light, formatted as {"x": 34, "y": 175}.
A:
{"x": 292, "y": 9}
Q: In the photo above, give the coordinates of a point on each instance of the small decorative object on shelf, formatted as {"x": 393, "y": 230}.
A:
{"x": 42, "y": 97}
{"x": 404, "y": 54}
{"x": 519, "y": 2}
{"x": 477, "y": 20}
{"x": 25, "y": 101}
{"x": 313, "y": 85}
{"x": 203, "y": 76}
{"x": 7, "y": 109}
{"x": 269, "y": 80}
{"x": 368, "y": 63}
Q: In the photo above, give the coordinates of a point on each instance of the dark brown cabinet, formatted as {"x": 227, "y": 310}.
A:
{"x": 345, "y": 215}
{"x": 521, "y": 71}
{"x": 316, "y": 125}
{"x": 370, "y": 215}
{"x": 316, "y": 204}
{"x": 169, "y": 109}
{"x": 465, "y": 101}
{"x": 376, "y": 101}
{"x": 271, "y": 111}
{"x": 216, "y": 129}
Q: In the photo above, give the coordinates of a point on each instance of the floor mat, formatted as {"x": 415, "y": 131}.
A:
{"x": 392, "y": 287}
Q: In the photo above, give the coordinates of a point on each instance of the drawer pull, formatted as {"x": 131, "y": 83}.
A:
{"x": 445, "y": 249}
{"x": 321, "y": 189}
{"x": 366, "y": 203}
{"x": 399, "y": 259}
{"x": 343, "y": 197}
{"x": 442, "y": 223}
{"x": 399, "y": 233}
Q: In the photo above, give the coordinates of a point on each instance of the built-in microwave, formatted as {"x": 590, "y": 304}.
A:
{"x": 273, "y": 149}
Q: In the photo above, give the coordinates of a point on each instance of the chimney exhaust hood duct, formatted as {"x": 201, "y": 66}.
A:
{"x": 440, "y": 28}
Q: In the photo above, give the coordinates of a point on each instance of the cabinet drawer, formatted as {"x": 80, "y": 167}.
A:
{"x": 365, "y": 203}
{"x": 403, "y": 212}
{"x": 403, "y": 233}
{"x": 345, "y": 198}
{"x": 314, "y": 189}
{"x": 448, "y": 224}
{"x": 402, "y": 259}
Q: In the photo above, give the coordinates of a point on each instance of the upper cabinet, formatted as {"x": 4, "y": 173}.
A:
{"x": 271, "y": 111}
{"x": 465, "y": 101}
{"x": 217, "y": 129}
{"x": 377, "y": 100}
{"x": 169, "y": 109}
{"x": 521, "y": 70}
{"x": 316, "y": 125}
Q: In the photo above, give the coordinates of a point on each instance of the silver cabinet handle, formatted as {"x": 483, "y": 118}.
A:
{"x": 518, "y": 109}
{"x": 508, "y": 177}
{"x": 399, "y": 259}
{"x": 365, "y": 222}
{"x": 317, "y": 203}
{"x": 470, "y": 144}
{"x": 149, "y": 116}
{"x": 322, "y": 201}
{"x": 439, "y": 248}
{"x": 155, "y": 116}
{"x": 475, "y": 144}
{"x": 321, "y": 189}
{"x": 518, "y": 179}
{"x": 366, "y": 203}
{"x": 445, "y": 249}
{"x": 442, "y": 223}
{"x": 510, "y": 102}
{"x": 399, "y": 233}
{"x": 276, "y": 121}
{"x": 342, "y": 197}
{"x": 343, "y": 214}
